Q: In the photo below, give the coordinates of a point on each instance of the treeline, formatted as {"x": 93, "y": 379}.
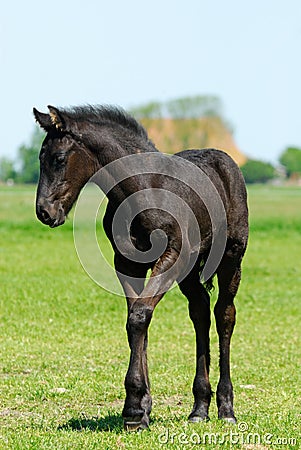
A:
{"x": 25, "y": 169}
{"x": 256, "y": 171}
{"x": 180, "y": 108}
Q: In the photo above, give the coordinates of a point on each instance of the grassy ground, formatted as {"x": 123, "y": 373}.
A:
{"x": 64, "y": 352}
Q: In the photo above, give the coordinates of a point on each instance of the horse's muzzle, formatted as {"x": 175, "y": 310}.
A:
{"x": 51, "y": 214}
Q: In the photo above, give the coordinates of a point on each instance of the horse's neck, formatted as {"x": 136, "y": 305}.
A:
{"x": 112, "y": 149}
{"x": 113, "y": 168}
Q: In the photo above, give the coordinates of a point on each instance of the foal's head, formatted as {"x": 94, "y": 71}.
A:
{"x": 66, "y": 164}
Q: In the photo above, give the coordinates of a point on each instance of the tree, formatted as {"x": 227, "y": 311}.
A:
{"x": 28, "y": 156}
{"x": 151, "y": 110}
{"x": 257, "y": 171}
{"x": 7, "y": 170}
{"x": 180, "y": 108}
{"x": 291, "y": 160}
{"x": 194, "y": 107}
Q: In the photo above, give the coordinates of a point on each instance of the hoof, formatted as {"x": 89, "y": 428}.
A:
{"x": 229, "y": 420}
{"x": 134, "y": 424}
{"x": 196, "y": 419}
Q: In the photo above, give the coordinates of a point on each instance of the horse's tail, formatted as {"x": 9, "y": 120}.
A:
{"x": 207, "y": 283}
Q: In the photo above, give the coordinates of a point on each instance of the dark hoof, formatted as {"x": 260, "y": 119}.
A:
{"x": 134, "y": 424}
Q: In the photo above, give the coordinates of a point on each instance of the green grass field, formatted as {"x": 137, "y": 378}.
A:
{"x": 64, "y": 350}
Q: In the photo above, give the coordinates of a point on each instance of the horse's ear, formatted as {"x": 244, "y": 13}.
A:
{"x": 56, "y": 118}
{"x": 44, "y": 120}
{"x": 61, "y": 120}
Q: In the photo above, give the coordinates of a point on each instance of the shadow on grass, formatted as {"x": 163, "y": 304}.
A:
{"x": 111, "y": 422}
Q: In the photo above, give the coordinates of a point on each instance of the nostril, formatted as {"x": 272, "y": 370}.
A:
{"x": 42, "y": 214}
{"x": 45, "y": 215}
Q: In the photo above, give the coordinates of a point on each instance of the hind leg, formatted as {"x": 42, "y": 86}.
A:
{"x": 229, "y": 275}
{"x": 199, "y": 312}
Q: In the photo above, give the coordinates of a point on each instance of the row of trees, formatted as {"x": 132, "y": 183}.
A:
{"x": 26, "y": 168}
{"x": 180, "y": 108}
{"x": 255, "y": 171}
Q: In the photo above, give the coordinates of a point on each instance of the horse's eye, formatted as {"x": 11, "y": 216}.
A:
{"x": 60, "y": 158}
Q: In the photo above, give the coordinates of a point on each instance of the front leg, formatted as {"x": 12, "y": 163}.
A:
{"x": 137, "y": 405}
{"x": 132, "y": 277}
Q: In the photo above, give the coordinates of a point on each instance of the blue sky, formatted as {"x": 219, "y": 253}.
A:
{"x": 72, "y": 52}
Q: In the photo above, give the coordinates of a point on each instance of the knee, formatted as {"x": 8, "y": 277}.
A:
{"x": 139, "y": 317}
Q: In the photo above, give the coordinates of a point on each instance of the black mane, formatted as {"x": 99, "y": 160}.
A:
{"x": 106, "y": 114}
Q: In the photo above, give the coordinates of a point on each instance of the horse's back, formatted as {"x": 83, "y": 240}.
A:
{"x": 216, "y": 164}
